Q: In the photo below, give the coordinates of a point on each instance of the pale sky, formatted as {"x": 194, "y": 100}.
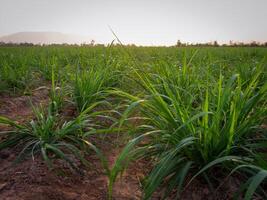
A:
{"x": 145, "y": 22}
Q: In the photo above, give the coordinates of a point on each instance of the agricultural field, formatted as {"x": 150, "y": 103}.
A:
{"x": 125, "y": 122}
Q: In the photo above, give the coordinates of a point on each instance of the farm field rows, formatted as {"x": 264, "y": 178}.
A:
{"x": 124, "y": 122}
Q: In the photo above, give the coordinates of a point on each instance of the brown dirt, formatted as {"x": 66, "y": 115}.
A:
{"x": 31, "y": 180}
{"x": 20, "y": 108}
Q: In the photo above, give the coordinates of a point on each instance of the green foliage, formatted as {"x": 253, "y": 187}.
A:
{"x": 47, "y": 135}
{"x": 89, "y": 87}
{"x": 194, "y": 125}
{"x": 57, "y": 93}
{"x": 201, "y": 109}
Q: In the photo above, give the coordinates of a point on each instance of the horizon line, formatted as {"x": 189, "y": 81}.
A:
{"x": 83, "y": 41}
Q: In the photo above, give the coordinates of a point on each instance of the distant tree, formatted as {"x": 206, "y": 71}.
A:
{"x": 92, "y": 43}
{"x": 254, "y": 44}
{"x": 131, "y": 45}
{"x": 241, "y": 44}
{"x": 179, "y": 43}
{"x": 215, "y": 43}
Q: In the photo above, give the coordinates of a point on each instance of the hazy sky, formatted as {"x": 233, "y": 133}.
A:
{"x": 140, "y": 21}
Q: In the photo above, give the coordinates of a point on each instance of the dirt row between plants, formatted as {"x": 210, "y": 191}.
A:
{"x": 31, "y": 180}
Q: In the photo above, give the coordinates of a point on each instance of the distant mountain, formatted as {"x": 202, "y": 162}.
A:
{"x": 45, "y": 38}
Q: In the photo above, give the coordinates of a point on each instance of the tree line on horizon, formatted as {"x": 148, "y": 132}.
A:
{"x": 179, "y": 43}
{"x": 216, "y": 44}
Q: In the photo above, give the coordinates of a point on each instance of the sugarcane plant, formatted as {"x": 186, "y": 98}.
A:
{"x": 49, "y": 136}
{"x": 190, "y": 134}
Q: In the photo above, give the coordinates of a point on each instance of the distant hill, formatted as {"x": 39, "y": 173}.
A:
{"x": 45, "y": 38}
